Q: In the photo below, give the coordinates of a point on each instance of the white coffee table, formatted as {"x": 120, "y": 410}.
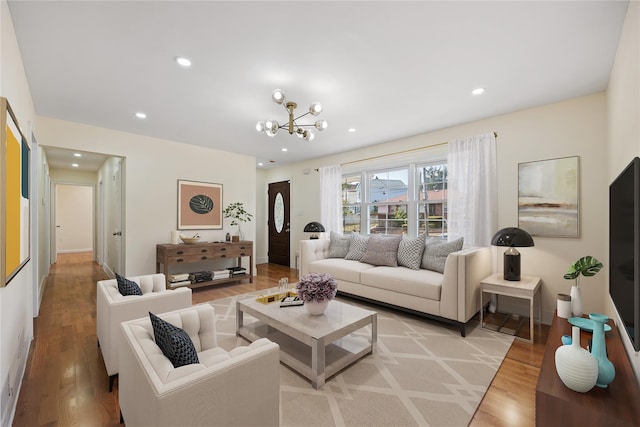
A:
{"x": 317, "y": 347}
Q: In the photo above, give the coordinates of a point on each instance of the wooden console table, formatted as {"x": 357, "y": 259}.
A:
{"x": 168, "y": 255}
{"x": 558, "y": 405}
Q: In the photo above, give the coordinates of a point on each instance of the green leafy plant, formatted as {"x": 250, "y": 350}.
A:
{"x": 587, "y": 266}
{"x": 236, "y": 211}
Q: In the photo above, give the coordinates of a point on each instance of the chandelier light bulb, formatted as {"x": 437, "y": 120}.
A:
{"x": 321, "y": 124}
{"x": 278, "y": 96}
{"x": 315, "y": 108}
{"x": 260, "y": 126}
{"x": 309, "y": 135}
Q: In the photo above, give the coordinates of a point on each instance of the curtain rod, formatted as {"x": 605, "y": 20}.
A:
{"x": 495, "y": 134}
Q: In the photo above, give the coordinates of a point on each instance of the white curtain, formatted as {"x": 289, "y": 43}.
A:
{"x": 331, "y": 198}
{"x": 472, "y": 196}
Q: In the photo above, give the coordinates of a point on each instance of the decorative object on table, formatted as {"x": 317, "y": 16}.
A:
{"x": 606, "y": 370}
{"x": 239, "y": 215}
{"x": 228, "y": 237}
{"x": 566, "y": 339}
{"x": 585, "y": 324}
{"x": 199, "y": 205}
{"x": 174, "y": 237}
{"x": 271, "y": 127}
{"x": 316, "y": 290}
{"x": 314, "y": 228}
{"x": 564, "y": 306}
{"x": 548, "y": 197}
{"x": 576, "y": 367}
{"x": 587, "y": 266}
{"x": 513, "y": 238}
{"x": 190, "y": 240}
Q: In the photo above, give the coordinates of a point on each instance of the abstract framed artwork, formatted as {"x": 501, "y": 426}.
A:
{"x": 548, "y": 192}
{"x": 199, "y": 205}
{"x": 14, "y": 193}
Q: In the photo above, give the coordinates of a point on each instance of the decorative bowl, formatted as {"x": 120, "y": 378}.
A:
{"x": 190, "y": 240}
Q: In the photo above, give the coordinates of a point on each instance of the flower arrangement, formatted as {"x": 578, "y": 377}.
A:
{"x": 587, "y": 266}
{"x": 317, "y": 287}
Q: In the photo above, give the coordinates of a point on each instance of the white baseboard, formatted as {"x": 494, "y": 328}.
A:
{"x": 73, "y": 251}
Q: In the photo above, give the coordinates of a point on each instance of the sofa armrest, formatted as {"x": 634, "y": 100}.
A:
{"x": 312, "y": 250}
{"x": 461, "y": 284}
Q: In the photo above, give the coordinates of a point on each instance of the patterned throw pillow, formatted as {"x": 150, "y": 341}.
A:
{"x": 436, "y": 252}
{"x": 174, "y": 342}
{"x": 357, "y": 247}
{"x": 382, "y": 250}
{"x": 339, "y": 245}
{"x": 127, "y": 287}
{"x": 410, "y": 252}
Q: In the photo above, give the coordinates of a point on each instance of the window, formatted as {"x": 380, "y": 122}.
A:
{"x": 405, "y": 200}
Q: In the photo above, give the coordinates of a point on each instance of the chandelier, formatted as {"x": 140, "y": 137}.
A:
{"x": 271, "y": 127}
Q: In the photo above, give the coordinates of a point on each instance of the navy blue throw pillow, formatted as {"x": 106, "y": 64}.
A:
{"x": 127, "y": 287}
{"x": 174, "y": 342}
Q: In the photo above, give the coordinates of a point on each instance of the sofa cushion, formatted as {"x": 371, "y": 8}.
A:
{"x": 382, "y": 250}
{"x": 414, "y": 283}
{"x": 410, "y": 251}
{"x": 436, "y": 252}
{"x": 339, "y": 245}
{"x": 174, "y": 342}
{"x": 127, "y": 287}
{"x": 357, "y": 247}
{"x": 340, "y": 269}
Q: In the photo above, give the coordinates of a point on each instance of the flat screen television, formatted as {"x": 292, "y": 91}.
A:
{"x": 624, "y": 248}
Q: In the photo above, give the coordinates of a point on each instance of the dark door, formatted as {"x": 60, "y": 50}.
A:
{"x": 279, "y": 221}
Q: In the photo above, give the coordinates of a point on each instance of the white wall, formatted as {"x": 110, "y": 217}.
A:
{"x": 623, "y": 115}
{"x": 152, "y": 169}
{"x": 572, "y": 128}
{"x": 74, "y": 218}
{"x": 16, "y": 300}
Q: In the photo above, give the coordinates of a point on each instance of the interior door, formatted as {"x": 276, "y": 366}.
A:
{"x": 279, "y": 224}
{"x": 115, "y": 250}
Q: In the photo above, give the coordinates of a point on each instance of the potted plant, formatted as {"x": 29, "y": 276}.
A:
{"x": 236, "y": 211}
{"x": 587, "y": 266}
{"x": 316, "y": 290}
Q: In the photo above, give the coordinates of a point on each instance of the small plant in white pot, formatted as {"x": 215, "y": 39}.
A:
{"x": 586, "y": 266}
{"x": 238, "y": 214}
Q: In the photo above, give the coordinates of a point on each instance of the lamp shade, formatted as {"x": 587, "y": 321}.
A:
{"x": 512, "y": 237}
{"x": 314, "y": 227}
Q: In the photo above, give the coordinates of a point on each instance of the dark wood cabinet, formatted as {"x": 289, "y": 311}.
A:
{"x": 168, "y": 255}
{"x": 558, "y": 405}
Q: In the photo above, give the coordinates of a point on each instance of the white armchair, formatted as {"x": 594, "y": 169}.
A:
{"x": 236, "y": 388}
{"x": 112, "y": 308}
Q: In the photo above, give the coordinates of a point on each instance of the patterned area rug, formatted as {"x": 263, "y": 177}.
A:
{"x": 421, "y": 373}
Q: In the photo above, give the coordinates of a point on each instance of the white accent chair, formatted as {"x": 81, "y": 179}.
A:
{"x": 236, "y": 388}
{"x": 112, "y": 308}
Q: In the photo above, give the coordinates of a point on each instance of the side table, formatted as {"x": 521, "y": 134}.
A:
{"x": 528, "y": 287}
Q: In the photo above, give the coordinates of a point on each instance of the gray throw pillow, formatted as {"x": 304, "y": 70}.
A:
{"x": 410, "y": 252}
{"x": 435, "y": 254}
{"x": 382, "y": 250}
{"x": 357, "y": 247}
{"x": 339, "y": 245}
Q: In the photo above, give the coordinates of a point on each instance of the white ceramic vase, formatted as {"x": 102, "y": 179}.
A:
{"x": 576, "y": 367}
{"x": 316, "y": 308}
{"x": 576, "y": 301}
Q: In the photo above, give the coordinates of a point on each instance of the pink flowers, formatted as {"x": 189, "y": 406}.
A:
{"x": 317, "y": 287}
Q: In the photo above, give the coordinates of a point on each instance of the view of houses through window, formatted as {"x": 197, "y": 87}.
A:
{"x": 408, "y": 201}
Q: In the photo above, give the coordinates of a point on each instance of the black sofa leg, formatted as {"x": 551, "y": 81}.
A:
{"x": 111, "y": 379}
{"x": 463, "y": 330}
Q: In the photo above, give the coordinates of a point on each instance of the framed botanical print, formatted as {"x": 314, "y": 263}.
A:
{"x": 199, "y": 205}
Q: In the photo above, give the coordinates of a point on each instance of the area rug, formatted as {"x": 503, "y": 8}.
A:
{"x": 421, "y": 373}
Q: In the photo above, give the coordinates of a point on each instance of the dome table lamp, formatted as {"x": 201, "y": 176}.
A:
{"x": 513, "y": 238}
{"x": 314, "y": 228}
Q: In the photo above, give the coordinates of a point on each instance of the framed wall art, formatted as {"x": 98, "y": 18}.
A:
{"x": 199, "y": 205}
{"x": 14, "y": 192}
{"x": 548, "y": 193}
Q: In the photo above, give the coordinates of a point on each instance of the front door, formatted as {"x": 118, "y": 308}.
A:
{"x": 279, "y": 224}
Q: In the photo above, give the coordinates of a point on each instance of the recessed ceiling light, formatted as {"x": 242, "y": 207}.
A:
{"x": 284, "y": 149}
{"x": 183, "y": 62}
{"x": 352, "y": 130}
{"x": 260, "y": 164}
{"x": 141, "y": 115}
{"x": 478, "y": 91}
{"x": 75, "y": 165}
{"x": 77, "y": 155}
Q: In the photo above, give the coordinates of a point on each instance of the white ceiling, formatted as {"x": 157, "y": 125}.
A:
{"x": 390, "y": 69}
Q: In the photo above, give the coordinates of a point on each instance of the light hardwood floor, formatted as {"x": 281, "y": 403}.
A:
{"x": 66, "y": 383}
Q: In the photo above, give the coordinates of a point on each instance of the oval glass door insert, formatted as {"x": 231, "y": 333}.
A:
{"x": 278, "y": 212}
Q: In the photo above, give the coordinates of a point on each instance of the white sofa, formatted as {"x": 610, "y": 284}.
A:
{"x": 236, "y": 388}
{"x": 112, "y": 308}
{"x": 452, "y": 296}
